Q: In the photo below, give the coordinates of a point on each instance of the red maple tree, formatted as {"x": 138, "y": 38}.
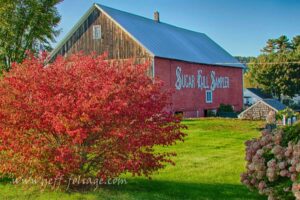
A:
{"x": 83, "y": 116}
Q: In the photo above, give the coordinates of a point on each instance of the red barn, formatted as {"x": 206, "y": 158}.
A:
{"x": 202, "y": 74}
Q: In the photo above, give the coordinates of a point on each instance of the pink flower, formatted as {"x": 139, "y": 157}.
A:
{"x": 271, "y": 163}
{"x": 282, "y": 165}
{"x": 284, "y": 173}
{"x": 298, "y": 167}
{"x": 293, "y": 177}
{"x": 262, "y": 185}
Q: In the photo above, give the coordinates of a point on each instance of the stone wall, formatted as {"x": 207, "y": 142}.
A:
{"x": 258, "y": 111}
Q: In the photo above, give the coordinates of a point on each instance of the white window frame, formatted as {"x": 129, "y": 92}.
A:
{"x": 97, "y": 29}
{"x": 206, "y": 96}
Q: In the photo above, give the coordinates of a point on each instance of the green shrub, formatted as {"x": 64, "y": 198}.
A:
{"x": 225, "y": 108}
{"x": 211, "y": 113}
{"x": 288, "y": 112}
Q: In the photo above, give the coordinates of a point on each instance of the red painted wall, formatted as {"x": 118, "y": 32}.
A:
{"x": 192, "y": 101}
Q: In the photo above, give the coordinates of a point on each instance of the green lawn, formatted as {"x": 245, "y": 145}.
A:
{"x": 208, "y": 166}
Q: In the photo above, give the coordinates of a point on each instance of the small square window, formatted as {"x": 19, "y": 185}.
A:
{"x": 96, "y": 32}
{"x": 209, "y": 96}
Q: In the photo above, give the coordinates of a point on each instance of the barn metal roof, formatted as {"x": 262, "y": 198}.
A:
{"x": 167, "y": 41}
{"x": 163, "y": 40}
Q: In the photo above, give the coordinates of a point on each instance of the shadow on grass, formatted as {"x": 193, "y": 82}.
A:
{"x": 5, "y": 180}
{"x": 142, "y": 189}
{"x": 149, "y": 189}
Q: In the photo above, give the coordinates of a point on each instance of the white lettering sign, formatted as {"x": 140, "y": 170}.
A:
{"x": 188, "y": 80}
{"x": 184, "y": 80}
{"x": 202, "y": 81}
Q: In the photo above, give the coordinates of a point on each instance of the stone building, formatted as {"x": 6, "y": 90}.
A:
{"x": 261, "y": 109}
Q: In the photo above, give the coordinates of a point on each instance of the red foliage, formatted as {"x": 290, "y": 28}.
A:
{"x": 83, "y": 116}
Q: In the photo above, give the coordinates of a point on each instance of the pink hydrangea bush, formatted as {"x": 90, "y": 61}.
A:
{"x": 273, "y": 163}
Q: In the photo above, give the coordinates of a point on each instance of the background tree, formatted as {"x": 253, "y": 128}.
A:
{"x": 296, "y": 42}
{"x": 249, "y": 82}
{"x": 283, "y": 44}
{"x": 244, "y": 59}
{"x": 270, "y": 47}
{"x": 26, "y": 25}
{"x": 277, "y": 69}
{"x": 279, "y": 45}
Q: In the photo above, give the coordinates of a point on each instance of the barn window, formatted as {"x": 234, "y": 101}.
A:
{"x": 96, "y": 32}
{"x": 209, "y": 97}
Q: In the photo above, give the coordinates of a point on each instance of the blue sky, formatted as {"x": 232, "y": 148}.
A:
{"x": 239, "y": 26}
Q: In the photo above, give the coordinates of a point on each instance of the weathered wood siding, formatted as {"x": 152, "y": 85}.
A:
{"x": 115, "y": 41}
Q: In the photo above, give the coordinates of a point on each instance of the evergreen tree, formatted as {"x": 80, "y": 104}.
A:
{"x": 283, "y": 44}
{"x": 296, "y": 42}
{"x": 270, "y": 47}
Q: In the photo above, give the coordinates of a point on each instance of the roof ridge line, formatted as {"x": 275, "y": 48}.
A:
{"x": 164, "y": 23}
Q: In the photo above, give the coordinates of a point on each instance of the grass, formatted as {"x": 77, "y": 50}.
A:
{"x": 208, "y": 166}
